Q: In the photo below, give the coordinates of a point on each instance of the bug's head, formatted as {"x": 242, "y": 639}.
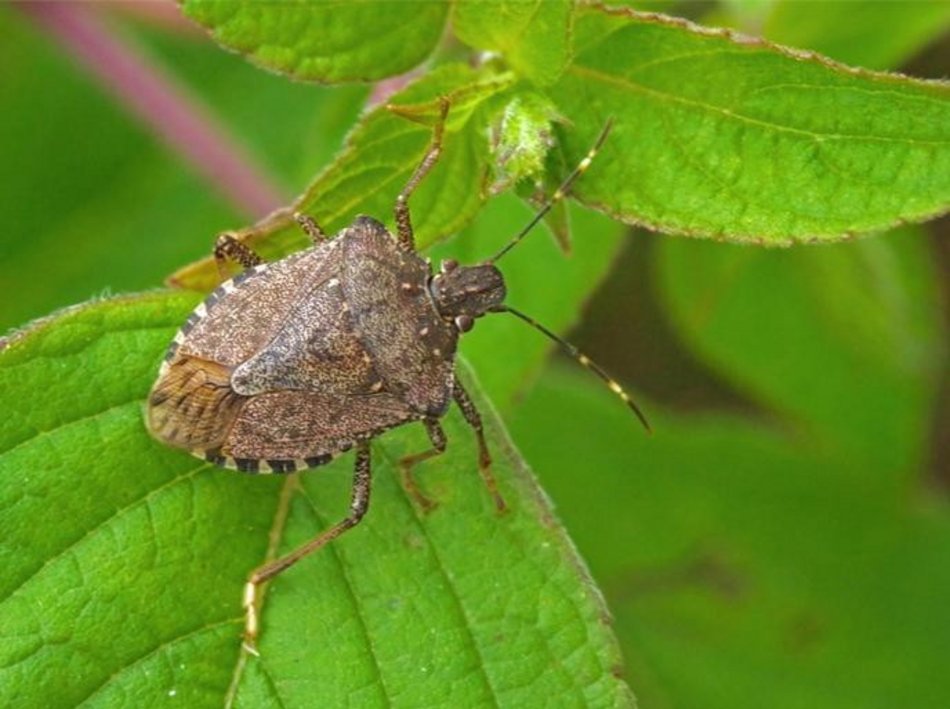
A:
{"x": 463, "y": 293}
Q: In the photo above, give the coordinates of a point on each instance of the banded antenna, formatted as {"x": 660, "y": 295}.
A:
{"x": 561, "y": 192}
{"x": 570, "y": 349}
{"x": 583, "y": 360}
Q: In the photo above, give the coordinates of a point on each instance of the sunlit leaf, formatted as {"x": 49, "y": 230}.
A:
{"x": 534, "y": 37}
{"x": 723, "y": 136}
{"x": 131, "y": 595}
{"x": 330, "y": 42}
{"x": 877, "y": 34}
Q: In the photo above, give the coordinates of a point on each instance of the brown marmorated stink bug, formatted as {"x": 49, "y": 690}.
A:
{"x": 291, "y": 363}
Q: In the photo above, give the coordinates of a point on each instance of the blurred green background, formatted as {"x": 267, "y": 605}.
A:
{"x": 783, "y": 539}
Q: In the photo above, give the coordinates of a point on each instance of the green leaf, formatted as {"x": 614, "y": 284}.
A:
{"x": 534, "y": 37}
{"x": 740, "y": 562}
{"x": 521, "y": 138}
{"x": 746, "y": 12}
{"x": 877, "y": 34}
{"x": 843, "y": 340}
{"x": 124, "y": 560}
{"x": 377, "y": 160}
{"x": 329, "y": 42}
{"x": 728, "y": 137}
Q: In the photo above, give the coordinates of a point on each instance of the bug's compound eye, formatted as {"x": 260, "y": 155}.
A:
{"x": 464, "y": 323}
{"x": 449, "y": 265}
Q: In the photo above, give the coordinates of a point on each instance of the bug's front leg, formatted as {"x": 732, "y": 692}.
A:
{"x": 403, "y": 222}
{"x": 437, "y": 437}
{"x": 229, "y": 248}
{"x": 474, "y": 420}
{"x": 310, "y": 227}
{"x": 359, "y": 503}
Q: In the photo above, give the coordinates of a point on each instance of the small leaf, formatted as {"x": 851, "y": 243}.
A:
{"x": 329, "y": 42}
{"x": 124, "y": 560}
{"x": 533, "y": 36}
{"x": 377, "y": 160}
{"x": 719, "y": 135}
{"x": 521, "y": 138}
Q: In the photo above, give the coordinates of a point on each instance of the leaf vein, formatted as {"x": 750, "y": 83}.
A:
{"x": 271, "y": 682}
{"x": 66, "y": 424}
{"x": 453, "y": 591}
{"x": 348, "y": 583}
{"x": 100, "y": 526}
{"x": 154, "y": 651}
{"x": 631, "y": 85}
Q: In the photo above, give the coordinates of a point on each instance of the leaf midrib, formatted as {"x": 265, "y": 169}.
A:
{"x": 453, "y": 591}
{"x": 627, "y": 83}
{"x": 380, "y": 452}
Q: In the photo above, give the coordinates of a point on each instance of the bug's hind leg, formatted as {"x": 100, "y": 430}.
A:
{"x": 474, "y": 420}
{"x": 403, "y": 222}
{"x": 311, "y": 228}
{"x": 359, "y": 503}
{"x": 229, "y": 248}
{"x": 437, "y": 436}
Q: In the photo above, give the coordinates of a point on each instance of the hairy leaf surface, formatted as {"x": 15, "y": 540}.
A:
{"x": 330, "y": 42}
{"x": 724, "y": 136}
{"x": 534, "y": 36}
{"x": 131, "y": 595}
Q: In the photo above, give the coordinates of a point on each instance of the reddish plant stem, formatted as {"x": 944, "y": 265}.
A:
{"x": 162, "y": 103}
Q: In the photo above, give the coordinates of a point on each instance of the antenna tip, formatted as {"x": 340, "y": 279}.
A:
{"x": 605, "y": 131}
{"x": 643, "y": 419}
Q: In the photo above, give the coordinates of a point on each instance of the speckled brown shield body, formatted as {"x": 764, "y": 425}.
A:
{"x": 291, "y": 363}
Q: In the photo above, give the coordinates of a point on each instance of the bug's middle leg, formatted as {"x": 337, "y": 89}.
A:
{"x": 228, "y": 247}
{"x": 474, "y": 420}
{"x": 403, "y": 222}
{"x": 310, "y": 227}
{"x": 437, "y": 437}
{"x": 359, "y": 503}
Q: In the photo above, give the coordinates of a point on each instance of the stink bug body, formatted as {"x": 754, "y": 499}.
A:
{"x": 289, "y": 364}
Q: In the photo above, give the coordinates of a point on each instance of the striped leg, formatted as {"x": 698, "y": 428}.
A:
{"x": 403, "y": 222}
{"x": 437, "y": 436}
{"x": 359, "y": 503}
{"x": 474, "y": 420}
{"x": 311, "y": 228}
{"x": 229, "y": 248}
